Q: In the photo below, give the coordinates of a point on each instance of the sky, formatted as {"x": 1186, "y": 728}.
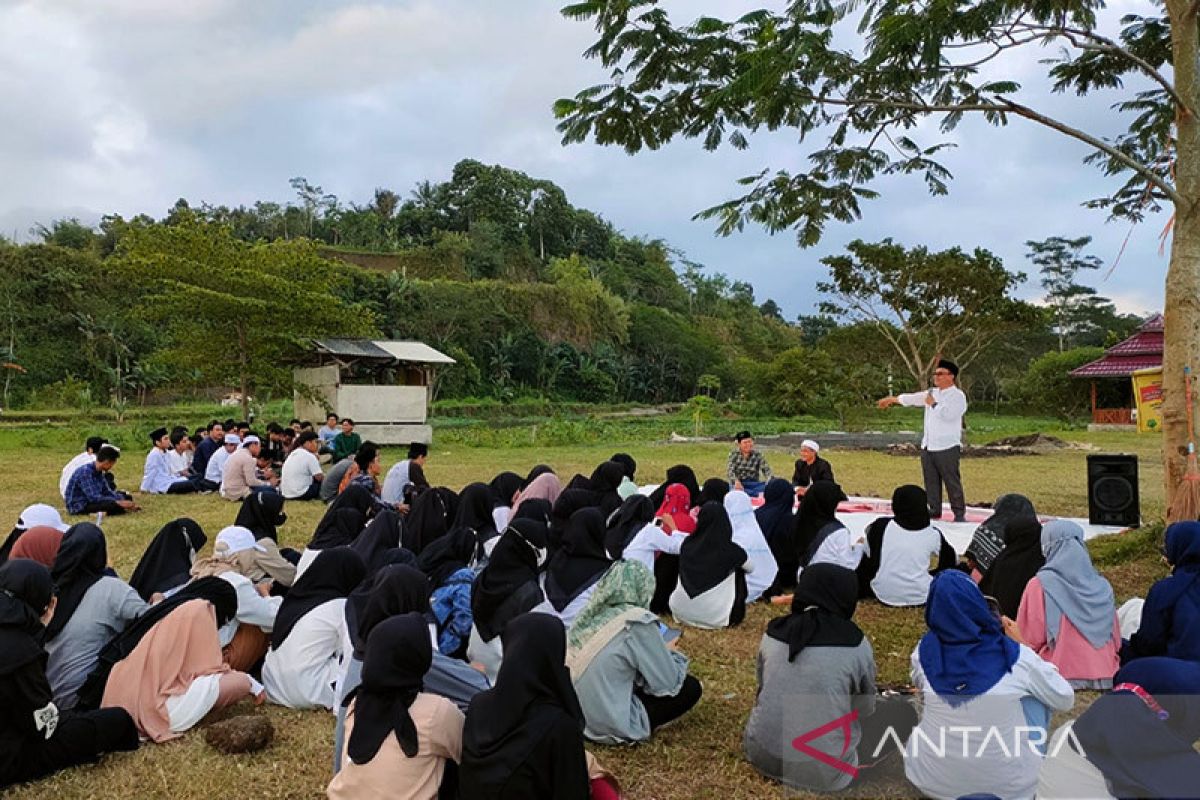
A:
{"x": 123, "y": 106}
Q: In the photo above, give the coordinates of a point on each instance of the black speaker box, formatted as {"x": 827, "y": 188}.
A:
{"x": 1113, "y": 490}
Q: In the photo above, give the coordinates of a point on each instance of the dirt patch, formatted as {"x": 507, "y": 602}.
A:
{"x": 1034, "y": 444}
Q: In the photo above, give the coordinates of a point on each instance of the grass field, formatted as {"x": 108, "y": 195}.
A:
{"x": 698, "y": 758}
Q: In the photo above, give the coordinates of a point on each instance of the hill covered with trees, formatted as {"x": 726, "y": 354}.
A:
{"x": 531, "y": 295}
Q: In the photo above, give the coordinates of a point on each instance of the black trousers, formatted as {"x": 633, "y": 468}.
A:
{"x": 662, "y": 710}
{"x": 107, "y": 506}
{"x": 183, "y": 486}
{"x": 938, "y": 467}
{"x": 80, "y": 738}
{"x": 666, "y": 575}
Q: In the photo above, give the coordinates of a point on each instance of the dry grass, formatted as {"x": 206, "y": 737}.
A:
{"x": 700, "y": 757}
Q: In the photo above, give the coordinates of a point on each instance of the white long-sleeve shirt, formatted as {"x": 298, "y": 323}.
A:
{"x": 984, "y": 744}
{"x": 157, "y": 477}
{"x": 69, "y": 470}
{"x": 943, "y": 419}
{"x": 650, "y": 541}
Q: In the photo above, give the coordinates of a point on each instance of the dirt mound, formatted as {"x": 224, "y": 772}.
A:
{"x": 1034, "y": 444}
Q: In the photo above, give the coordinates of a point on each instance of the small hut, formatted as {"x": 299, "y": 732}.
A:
{"x": 384, "y": 386}
{"x": 1142, "y": 351}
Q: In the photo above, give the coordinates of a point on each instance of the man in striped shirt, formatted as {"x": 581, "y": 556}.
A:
{"x": 747, "y": 470}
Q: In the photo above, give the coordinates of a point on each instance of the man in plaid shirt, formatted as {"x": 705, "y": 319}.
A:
{"x": 90, "y": 489}
{"x": 747, "y": 470}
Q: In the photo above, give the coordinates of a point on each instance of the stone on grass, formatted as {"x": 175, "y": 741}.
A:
{"x": 243, "y": 734}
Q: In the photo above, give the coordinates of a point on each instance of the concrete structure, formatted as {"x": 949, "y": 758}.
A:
{"x": 384, "y": 386}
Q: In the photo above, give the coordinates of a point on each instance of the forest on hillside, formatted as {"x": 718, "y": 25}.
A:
{"x": 531, "y": 295}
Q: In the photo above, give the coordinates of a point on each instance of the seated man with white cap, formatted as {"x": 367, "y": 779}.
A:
{"x": 216, "y": 463}
{"x": 810, "y": 467}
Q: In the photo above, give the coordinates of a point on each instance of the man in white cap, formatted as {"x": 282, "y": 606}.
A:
{"x": 810, "y": 467}
{"x": 239, "y": 476}
{"x": 216, "y": 462}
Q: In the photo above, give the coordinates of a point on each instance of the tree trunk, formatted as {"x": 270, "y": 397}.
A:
{"x": 1182, "y": 307}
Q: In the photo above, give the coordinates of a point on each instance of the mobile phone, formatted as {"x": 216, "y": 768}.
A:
{"x": 994, "y": 606}
{"x": 669, "y": 634}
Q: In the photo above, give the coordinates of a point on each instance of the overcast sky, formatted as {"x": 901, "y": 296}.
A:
{"x": 125, "y": 105}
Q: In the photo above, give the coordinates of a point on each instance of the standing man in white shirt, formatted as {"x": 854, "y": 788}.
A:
{"x": 941, "y": 440}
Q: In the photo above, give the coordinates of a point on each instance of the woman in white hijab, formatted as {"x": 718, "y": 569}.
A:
{"x": 749, "y": 536}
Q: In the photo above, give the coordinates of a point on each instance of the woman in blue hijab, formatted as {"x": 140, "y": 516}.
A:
{"x": 985, "y": 694}
{"x": 1170, "y": 623}
{"x": 1137, "y": 741}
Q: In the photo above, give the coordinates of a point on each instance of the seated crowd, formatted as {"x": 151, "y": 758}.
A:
{"x": 470, "y": 644}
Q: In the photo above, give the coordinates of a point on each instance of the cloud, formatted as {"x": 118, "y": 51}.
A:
{"x": 125, "y": 105}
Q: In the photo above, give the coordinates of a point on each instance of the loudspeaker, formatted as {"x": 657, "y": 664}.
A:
{"x": 1113, "y": 490}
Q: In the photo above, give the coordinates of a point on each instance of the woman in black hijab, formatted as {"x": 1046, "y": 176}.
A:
{"x": 392, "y": 591}
{"x": 35, "y": 739}
{"x": 395, "y": 589}
{"x": 215, "y": 590}
{"x": 680, "y": 473}
{"x": 627, "y": 464}
{"x": 334, "y": 574}
{"x": 578, "y": 565}
{"x": 429, "y": 518}
{"x": 713, "y": 491}
{"x": 475, "y": 514}
{"x": 504, "y": 488}
{"x": 988, "y": 541}
{"x": 302, "y": 674}
{"x": 910, "y": 511}
{"x": 261, "y": 513}
{"x": 604, "y": 481}
{"x": 1016, "y": 565}
{"x": 80, "y": 563}
{"x": 777, "y": 521}
{"x": 564, "y": 508}
{"x": 634, "y": 514}
{"x": 523, "y": 739}
{"x": 818, "y": 646}
{"x": 381, "y": 535}
{"x": 168, "y": 558}
{"x": 414, "y": 734}
{"x": 535, "y": 509}
{"x": 344, "y": 519}
{"x": 508, "y": 586}
{"x": 710, "y": 561}
{"x": 816, "y": 518}
{"x": 446, "y": 556}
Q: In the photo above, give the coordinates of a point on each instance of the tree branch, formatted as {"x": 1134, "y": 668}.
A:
{"x": 1108, "y": 45}
{"x": 1008, "y": 106}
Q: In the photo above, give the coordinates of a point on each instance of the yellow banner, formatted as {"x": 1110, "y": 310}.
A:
{"x": 1147, "y": 393}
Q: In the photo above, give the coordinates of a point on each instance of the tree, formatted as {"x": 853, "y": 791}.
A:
{"x": 925, "y": 304}
{"x": 1061, "y": 260}
{"x": 234, "y": 310}
{"x": 771, "y": 309}
{"x": 916, "y": 62}
{"x": 1048, "y": 388}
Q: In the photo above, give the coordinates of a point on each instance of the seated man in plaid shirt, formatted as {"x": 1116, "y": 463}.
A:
{"x": 91, "y": 488}
{"x": 748, "y": 470}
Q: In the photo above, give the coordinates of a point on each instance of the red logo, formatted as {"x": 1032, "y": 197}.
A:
{"x": 842, "y": 724}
